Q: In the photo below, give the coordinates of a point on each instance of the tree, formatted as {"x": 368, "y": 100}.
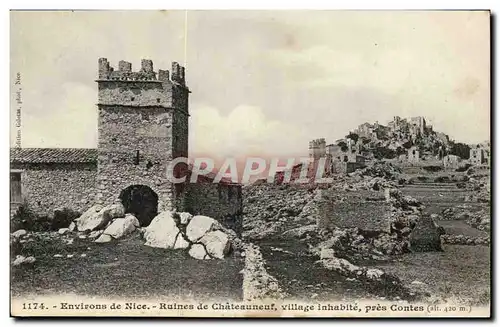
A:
{"x": 400, "y": 150}
{"x": 460, "y": 149}
{"x": 365, "y": 140}
{"x": 343, "y": 146}
{"x": 382, "y": 152}
{"x": 408, "y": 144}
{"x": 353, "y": 136}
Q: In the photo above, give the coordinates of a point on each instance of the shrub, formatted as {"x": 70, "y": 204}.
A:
{"x": 433, "y": 168}
{"x": 353, "y": 136}
{"x": 63, "y": 218}
{"x": 382, "y": 152}
{"x": 442, "y": 179}
{"x": 26, "y": 218}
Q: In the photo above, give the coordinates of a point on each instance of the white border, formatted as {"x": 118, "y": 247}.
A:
{"x": 214, "y": 4}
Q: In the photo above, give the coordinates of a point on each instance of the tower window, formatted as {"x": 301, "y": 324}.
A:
{"x": 132, "y": 99}
{"x": 136, "y": 159}
{"x": 158, "y": 100}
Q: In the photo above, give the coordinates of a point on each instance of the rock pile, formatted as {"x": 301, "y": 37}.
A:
{"x": 257, "y": 283}
{"x": 104, "y": 223}
{"x": 465, "y": 240}
{"x": 203, "y": 237}
{"x": 372, "y": 277}
{"x": 383, "y": 169}
{"x": 480, "y": 219}
{"x": 22, "y": 260}
{"x": 270, "y": 209}
{"x": 351, "y": 243}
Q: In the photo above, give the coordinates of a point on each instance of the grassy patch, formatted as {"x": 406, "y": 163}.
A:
{"x": 461, "y": 272}
{"x": 124, "y": 269}
{"x": 458, "y": 227}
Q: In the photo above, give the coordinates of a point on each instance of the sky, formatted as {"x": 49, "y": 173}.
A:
{"x": 263, "y": 82}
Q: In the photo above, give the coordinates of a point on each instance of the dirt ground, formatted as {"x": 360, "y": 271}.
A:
{"x": 461, "y": 272}
{"x": 124, "y": 269}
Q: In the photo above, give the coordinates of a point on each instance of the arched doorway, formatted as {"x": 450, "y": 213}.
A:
{"x": 141, "y": 201}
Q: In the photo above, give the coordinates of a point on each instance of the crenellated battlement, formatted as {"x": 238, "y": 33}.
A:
{"x": 146, "y": 73}
{"x": 317, "y": 143}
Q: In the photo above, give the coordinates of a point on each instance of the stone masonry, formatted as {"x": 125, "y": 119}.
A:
{"x": 142, "y": 126}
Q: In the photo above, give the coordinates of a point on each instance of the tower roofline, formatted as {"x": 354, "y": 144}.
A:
{"x": 146, "y": 74}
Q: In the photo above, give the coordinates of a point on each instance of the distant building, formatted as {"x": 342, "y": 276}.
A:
{"x": 317, "y": 149}
{"x": 420, "y": 123}
{"x": 413, "y": 154}
{"x": 480, "y": 154}
{"x": 366, "y": 130}
{"x": 451, "y": 161}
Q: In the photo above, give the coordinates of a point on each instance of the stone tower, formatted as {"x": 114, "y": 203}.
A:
{"x": 142, "y": 126}
{"x": 317, "y": 149}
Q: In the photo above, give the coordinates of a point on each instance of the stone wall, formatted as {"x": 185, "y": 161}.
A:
{"x": 47, "y": 187}
{"x": 223, "y": 202}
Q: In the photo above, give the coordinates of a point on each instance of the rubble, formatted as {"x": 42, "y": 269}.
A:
{"x": 374, "y": 278}
{"x": 257, "y": 283}
{"x": 22, "y": 260}
{"x": 426, "y": 236}
{"x": 465, "y": 240}
{"x": 18, "y": 233}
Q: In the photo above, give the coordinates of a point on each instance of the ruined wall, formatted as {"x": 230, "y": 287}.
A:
{"x": 223, "y": 202}
{"x": 47, "y": 187}
{"x": 180, "y": 148}
{"x": 476, "y": 156}
{"x": 413, "y": 155}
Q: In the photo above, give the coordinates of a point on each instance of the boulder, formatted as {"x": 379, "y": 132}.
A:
{"x": 180, "y": 242}
{"x": 19, "y": 233}
{"x": 199, "y": 226}
{"x": 197, "y": 251}
{"x": 342, "y": 266}
{"x": 122, "y": 226}
{"x": 104, "y": 238}
{"x": 162, "y": 232}
{"x": 95, "y": 233}
{"x": 133, "y": 219}
{"x": 72, "y": 226}
{"x": 426, "y": 236}
{"x": 98, "y": 217}
{"x": 185, "y": 217}
{"x": 91, "y": 219}
{"x": 114, "y": 211}
{"x": 63, "y": 231}
{"x": 216, "y": 243}
{"x": 327, "y": 254}
{"x": 375, "y": 274}
{"x": 22, "y": 260}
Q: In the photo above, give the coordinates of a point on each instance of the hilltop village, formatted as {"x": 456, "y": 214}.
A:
{"x": 405, "y": 142}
